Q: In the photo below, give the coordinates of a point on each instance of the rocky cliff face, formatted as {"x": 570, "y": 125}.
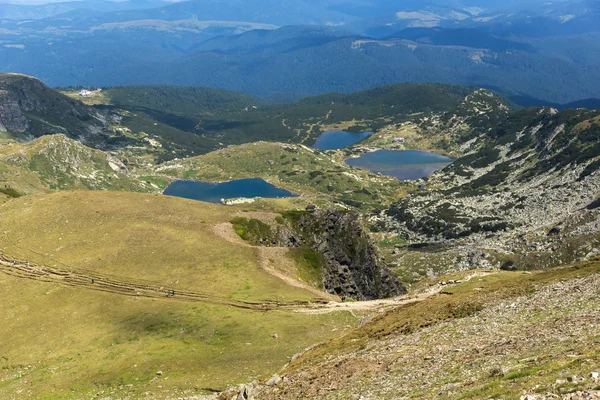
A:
{"x": 30, "y": 109}
{"x": 353, "y": 266}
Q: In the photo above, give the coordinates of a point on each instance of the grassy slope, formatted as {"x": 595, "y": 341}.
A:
{"x": 56, "y": 162}
{"x": 128, "y": 228}
{"x": 297, "y": 168}
{"x": 74, "y": 341}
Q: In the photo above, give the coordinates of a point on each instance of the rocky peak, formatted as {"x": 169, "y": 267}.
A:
{"x": 30, "y": 109}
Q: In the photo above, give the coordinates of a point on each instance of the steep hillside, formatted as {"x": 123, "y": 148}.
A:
{"x": 504, "y": 335}
{"x": 451, "y": 131}
{"x": 335, "y": 248}
{"x": 518, "y": 199}
{"x": 29, "y": 109}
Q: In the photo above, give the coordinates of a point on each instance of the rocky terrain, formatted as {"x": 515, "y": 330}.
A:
{"x": 55, "y": 162}
{"x": 353, "y": 266}
{"x": 29, "y": 109}
{"x": 522, "y": 196}
{"x": 519, "y": 196}
{"x": 342, "y": 255}
{"x": 533, "y": 336}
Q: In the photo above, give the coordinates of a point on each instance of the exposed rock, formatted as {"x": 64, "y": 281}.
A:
{"x": 527, "y": 189}
{"x": 354, "y": 267}
{"x": 274, "y": 380}
{"x": 29, "y": 106}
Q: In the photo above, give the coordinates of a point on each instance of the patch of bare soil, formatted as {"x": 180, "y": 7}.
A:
{"x": 274, "y": 260}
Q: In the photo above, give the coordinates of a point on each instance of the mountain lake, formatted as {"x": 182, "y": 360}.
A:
{"x": 213, "y": 192}
{"x": 331, "y": 140}
{"x": 401, "y": 164}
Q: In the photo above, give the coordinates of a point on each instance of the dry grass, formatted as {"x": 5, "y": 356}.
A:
{"x": 73, "y": 342}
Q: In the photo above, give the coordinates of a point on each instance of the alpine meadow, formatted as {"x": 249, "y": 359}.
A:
{"x": 335, "y": 199}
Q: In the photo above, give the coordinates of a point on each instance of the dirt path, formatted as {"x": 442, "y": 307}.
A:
{"x": 382, "y": 304}
{"x": 92, "y": 280}
{"x": 284, "y": 269}
{"x": 274, "y": 260}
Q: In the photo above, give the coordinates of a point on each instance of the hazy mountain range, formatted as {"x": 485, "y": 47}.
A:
{"x": 531, "y": 49}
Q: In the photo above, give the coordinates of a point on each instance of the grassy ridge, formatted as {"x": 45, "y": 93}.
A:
{"x": 68, "y": 228}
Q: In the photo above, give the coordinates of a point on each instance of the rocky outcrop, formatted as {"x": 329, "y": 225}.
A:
{"x": 30, "y": 109}
{"x": 525, "y": 196}
{"x": 11, "y": 117}
{"x": 353, "y": 266}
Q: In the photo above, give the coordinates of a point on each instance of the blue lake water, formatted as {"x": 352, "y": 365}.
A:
{"x": 331, "y": 140}
{"x": 213, "y": 192}
{"x": 406, "y": 164}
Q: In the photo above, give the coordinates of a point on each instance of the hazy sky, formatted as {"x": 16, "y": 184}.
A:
{"x": 29, "y": 1}
{"x": 39, "y": 1}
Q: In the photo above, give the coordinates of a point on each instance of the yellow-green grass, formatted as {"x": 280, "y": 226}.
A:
{"x": 59, "y": 341}
{"x": 55, "y": 162}
{"x": 139, "y": 237}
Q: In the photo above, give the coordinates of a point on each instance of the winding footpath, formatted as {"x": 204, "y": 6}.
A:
{"x": 91, "y": 280}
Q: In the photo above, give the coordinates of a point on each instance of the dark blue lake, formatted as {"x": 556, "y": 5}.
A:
{"x": 213, "y": 192}
{"x": 406, "y": 164}
{"x": 331, "y": 140}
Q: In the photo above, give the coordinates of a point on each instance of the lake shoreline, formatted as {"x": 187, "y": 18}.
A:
{"x": 404, "y": 165}
{"x": 219, "y": 192}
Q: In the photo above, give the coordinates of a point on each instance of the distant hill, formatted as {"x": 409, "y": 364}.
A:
{"x": 467, "y": 37}
{"x": 31, "y": 109}
{"x": 39, "y": 11}
{"x": 590, "y": 104}
{"x": 233, "y": 118}
{"x": 179, "y": 99}
{"x": 543, "y": 50}
{"x": 526, "y": 101}
{"x": 55, "y": 162}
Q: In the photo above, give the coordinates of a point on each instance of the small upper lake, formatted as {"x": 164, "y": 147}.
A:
{"x": 331, "y": 140}
{"x": 406, "y": 164}
{"x": 213, "y": 192}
